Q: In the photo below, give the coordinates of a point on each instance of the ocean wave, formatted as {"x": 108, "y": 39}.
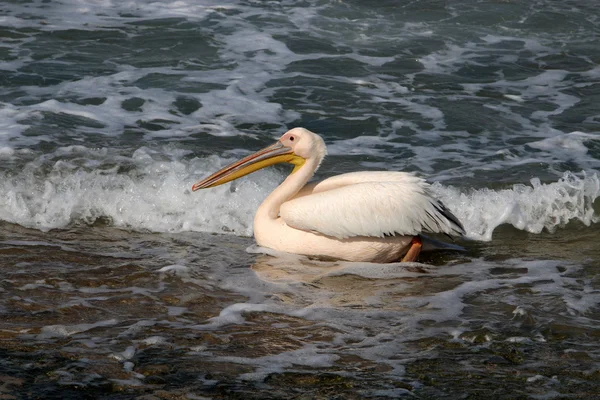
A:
{"x": 530, "y": 208}
{"x": 150, "y": 191}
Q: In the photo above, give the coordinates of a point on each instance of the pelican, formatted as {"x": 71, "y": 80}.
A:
{"x": 374, "y": 216}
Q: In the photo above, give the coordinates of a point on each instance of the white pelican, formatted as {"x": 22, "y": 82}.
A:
{"x": 359, "y": 216}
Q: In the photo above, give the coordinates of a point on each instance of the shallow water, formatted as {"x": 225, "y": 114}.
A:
{"x": 102, "y": 312}
{"x": 117, "y": 281}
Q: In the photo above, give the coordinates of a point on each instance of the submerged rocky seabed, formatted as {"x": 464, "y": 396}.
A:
{"x": 103, "y": 313}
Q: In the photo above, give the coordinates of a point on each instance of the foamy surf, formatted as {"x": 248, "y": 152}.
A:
{"x": 530, "y": 208}
{"x": 150, "y": 191}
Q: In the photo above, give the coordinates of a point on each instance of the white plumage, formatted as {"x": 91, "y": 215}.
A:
{"x": 359, "y": 216}
{"x": 374, "y": 204}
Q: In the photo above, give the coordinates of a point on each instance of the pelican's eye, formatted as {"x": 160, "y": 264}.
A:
{"x": 292, "y": 138}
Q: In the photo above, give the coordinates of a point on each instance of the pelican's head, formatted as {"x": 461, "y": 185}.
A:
{"x": 296, "y": 146}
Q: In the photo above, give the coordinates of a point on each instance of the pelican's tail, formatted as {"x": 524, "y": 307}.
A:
{"x": 430, "y": 244}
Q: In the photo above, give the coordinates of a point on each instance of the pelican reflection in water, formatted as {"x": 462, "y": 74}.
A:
{"x": 370, "y": 216}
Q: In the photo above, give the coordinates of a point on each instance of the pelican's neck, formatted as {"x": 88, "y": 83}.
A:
{"x": 288, "y": 189}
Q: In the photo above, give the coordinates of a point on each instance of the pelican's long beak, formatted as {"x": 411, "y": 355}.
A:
{"x": 274, "y": 154}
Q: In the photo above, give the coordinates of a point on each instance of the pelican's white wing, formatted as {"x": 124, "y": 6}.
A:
{"x": 369, "y": 204}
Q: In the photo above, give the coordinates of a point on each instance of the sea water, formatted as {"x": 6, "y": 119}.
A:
{"x": 117, "y": 279}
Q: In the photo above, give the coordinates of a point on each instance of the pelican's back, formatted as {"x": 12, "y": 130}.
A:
{"x": 375, "y": 204}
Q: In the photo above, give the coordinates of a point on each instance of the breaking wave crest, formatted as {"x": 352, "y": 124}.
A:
{"x": 531, "y": 208}
{"x": 150, "y": 191}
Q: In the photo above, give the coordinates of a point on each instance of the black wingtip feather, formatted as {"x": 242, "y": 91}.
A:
{"x": 458, "y": 226}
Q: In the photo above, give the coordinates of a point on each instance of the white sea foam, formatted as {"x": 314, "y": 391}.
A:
{"x": 309, "y": 356}
{"x": 154, "y": 340}
{"x": 125, "y": 355}
{"x": 157, "y": 197}
{"x": 63, "y": 331}
{"x": 531, "y": 207}
{"x": 572, "y": 144}
{"x": 85, "y": 185}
